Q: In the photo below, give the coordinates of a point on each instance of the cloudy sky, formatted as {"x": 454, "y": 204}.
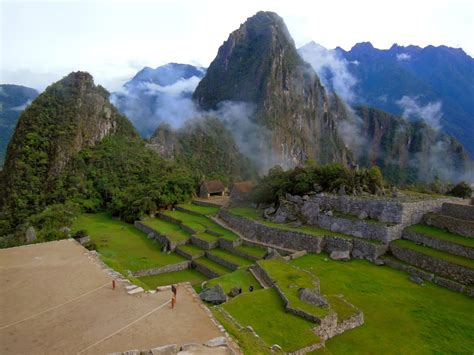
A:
{"x": 41, "y": 41}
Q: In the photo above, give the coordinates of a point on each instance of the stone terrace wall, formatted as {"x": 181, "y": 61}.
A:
{"x": 456, "y": 210}
{"x": 300, "y": 241}
{"x": 187, "y": 255}
{"x": 162, "y": 239}
{"x": 454, "y": 225}
{"x": 176, "y": 221}
{"x": 239, "y": 252}
{"x": 222, "y": 261}
{"x": 161, "y": 270}
{"x": 204, "y": 244}
{"x": 441, "y": 267}
{"x": 383, "y": 210}
{"x": 440, "y": 244}
{"x": 205, "y": 270}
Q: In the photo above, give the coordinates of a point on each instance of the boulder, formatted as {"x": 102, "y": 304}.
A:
{"x": 271, "y": 254}
{"x": 214, "y": 295}
{"x": 234, "y": 291}
{"x": 267, "y": 212}
{"x": 312, "y": 296}
{"x": 84, "y": 240}
{"x": 357, "y": 254}
{"x": 276, "y": 347}
{"x": 219, "y": 341}
{"x": 165, "y": 350}
{"x": 417, "y": 280}
{"x": 343, "y": 255}
{"x": 30, "y": 234}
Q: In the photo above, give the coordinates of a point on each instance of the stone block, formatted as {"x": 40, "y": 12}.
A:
{"x": 340, "y": 255}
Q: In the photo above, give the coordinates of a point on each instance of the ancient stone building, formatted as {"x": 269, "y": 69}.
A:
{"x": 211, "y": 188}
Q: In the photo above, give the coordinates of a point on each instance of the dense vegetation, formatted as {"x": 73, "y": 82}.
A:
{"x": 319, "y": 178}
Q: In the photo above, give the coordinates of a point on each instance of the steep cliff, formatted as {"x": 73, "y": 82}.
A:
{"x": 259, "y": 64}
{"x": 409, "y": 152}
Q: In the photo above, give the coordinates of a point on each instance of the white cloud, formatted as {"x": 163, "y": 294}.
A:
{"x": 403, "y": 56}
{"x": 430, "y": 113}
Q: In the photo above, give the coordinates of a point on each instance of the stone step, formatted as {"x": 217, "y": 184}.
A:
{"x": 135, "y": 291}
{"x": 440, "y": 239}
{"x": 447, "y": 265}
{"x": 425, "y": 275}
{"x": 190, "y": 251}
{"x": 210, "y": 268}
{"x": 227, "y": 259}
{"x": 454, "y": 225}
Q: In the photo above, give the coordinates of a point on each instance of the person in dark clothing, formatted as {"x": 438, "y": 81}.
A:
{"x": 251, "y": 288}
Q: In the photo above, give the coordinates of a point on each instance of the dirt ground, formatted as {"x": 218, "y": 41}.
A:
{"x": 55, "y": 300}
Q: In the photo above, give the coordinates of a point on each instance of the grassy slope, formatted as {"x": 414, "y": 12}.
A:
{"x": 240, "y": 278}
{"x": 169, "y": 278}
{"x": 264, "y": 311}
{"x": 204, "y": 210}
{"x": 400, "y": 316}
{"x": 200, "y": 223}
{"x": 252, "y": 213}
{"x": 167, "y": 228}
{"x": 438, "y": 233}
{"x": 252, "y": 250}
{"x": 122, "y": 246}
{"x": 455, "y": 259}
{"x": 191, "y": 249}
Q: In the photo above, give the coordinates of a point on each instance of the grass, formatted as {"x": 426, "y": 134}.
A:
{"x": 264, "y": 311}
{"x": 121, "y": 245}
{"x": 291, "y": 279}
{"x": 241, "y": 278}
{"x": 206, "y": 236}
{"x": 400, "y": 316}
{"x": 252, "y": 213}
{"x": 167, "y": 228}
{"x": 455, "y": 259}
{"x": 204, "y": 210}
{"x": 441, "y": 234}
{"x": 235, "y": 259}
{"x": 252, "y": 250}
{"x": 201, "y": 223}
{"x": 169, "y": 278}
{"x": 221, "y": 270}
{"x": 247, "y": 342}
{"x": 191, "y": 249}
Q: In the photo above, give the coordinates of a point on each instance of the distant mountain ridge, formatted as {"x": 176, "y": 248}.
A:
{"x": 407, "y": 79}
{"x": 13, "y": 100}
{"x": 154, "y": 96}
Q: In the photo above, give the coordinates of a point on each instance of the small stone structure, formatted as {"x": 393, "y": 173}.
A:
{"x": 240, "y": 191}
{"x": 211, "y": 188}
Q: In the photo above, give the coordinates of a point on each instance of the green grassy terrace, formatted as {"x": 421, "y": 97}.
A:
{"x": 221, "y": 270}
{"x": 441, "y": 234}
{"x": 169, "y": 229}
{"x": 252, "y": 250}
{"x": 206, "y": 236}
{"x": 291, "y": 279}
{"x": 204, "y": 210}
{"x": 201, "y": 223}
{"x": 264, "y": 311}
{"x": 241, "y": 278}
{"x": 169, "y": 278}
{"x": 455, "y": 259}
{"x": 400, "y": 316}
{"x": 235, "y": 259}
{"x": 121, "y": 245}
{"x": 254, "y": 214}
{"x": 191, "y": 249}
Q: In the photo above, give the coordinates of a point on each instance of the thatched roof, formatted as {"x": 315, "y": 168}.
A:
{"x": 243, "y": 186}
{"x": 213, "y": 186}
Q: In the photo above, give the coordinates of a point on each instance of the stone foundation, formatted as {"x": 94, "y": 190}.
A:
{"x": 456, "y": 210}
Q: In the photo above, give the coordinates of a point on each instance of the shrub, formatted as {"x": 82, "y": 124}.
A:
{"x": 461, "y": 190}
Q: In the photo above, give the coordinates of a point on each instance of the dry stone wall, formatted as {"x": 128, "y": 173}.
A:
{"x": 300, "y": 241}
{"x": 161, "y": 270}
{"x": 440, "y": 244}
{"x": 441, "y": 267}
{"x": 162, "y": 239}
{"x": 456, "y": 210}
{"x": 454, "y": 225}
{"x": 222, "y": 261}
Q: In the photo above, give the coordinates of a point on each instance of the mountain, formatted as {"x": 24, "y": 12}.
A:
{"x": 158, "y": 95}
{"x": 408, "y": 152}
{"x": 258, "y": 65}
{"x": 67, "y": 117}
{"x": 206, "y": 147}
{"x": 13, "y": 100}
{"x": 432, "y": 83}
